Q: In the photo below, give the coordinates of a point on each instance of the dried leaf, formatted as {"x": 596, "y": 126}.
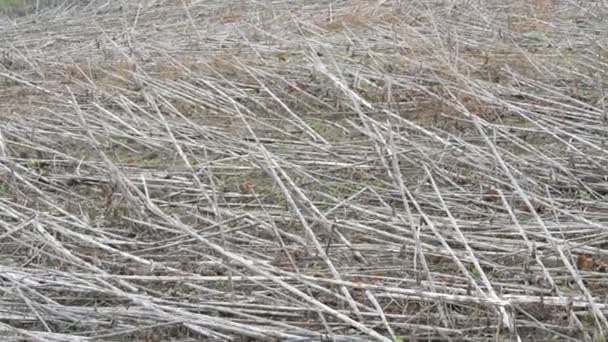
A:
{"x": 584, "y": 263}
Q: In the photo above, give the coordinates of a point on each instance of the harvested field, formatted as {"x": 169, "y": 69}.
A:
{"x": 226, "y": 170}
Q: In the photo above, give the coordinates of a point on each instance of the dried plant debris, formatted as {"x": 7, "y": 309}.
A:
{"x": 303, "y": 171}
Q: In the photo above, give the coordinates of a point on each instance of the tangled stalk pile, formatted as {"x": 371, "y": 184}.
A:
{"x": 304, "y": 170}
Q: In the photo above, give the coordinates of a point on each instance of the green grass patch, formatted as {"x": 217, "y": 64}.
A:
{"x": 10, "y": 3}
